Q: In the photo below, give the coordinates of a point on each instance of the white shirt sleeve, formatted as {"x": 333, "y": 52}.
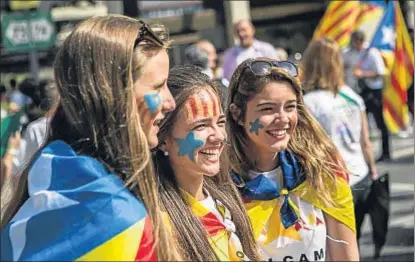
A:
{"x": 28, "y": 146}
{"x": 376, "y": 57}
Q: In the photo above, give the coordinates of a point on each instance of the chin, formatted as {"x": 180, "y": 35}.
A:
{"x": 211, "y": 171}
{"x": 152, "y": 141}
{"x": 277, "y": 147}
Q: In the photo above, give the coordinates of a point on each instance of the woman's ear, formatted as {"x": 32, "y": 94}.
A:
{"x": 164, "y": 146}
{"x": 236, "y": 114}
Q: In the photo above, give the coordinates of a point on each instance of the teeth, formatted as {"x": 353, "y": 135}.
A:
{"x": 210, "y": 152}
{"x": 278, "y": 133}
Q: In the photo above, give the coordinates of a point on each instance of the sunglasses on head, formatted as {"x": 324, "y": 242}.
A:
{"x": 264, "y": 68}
{"x": 147, "y": 34}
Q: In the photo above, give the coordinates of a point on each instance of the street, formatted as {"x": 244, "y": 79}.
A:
{"x": 400, "y": 239}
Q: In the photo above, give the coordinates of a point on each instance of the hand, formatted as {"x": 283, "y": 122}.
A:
{"x": 14, "y": 141}
{"x": 374, "y": 173}
{"x": 358, "y": 72}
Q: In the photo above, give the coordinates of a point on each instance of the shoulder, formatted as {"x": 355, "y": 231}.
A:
{"x": 350, "y": 93}
{"x": 264, "y": 45}
{"x": 316, "y": 96}
{"x": 230, "y": 52}
{"x": 64, "y": 187}
{"x": 346, "y": 50}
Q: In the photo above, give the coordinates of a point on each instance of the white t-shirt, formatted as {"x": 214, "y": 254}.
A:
{"x": 340, "y": 116}
{"x": 33, "y": 138}
{"x": 304, "y": 241}
{"x": 371, "y": 60}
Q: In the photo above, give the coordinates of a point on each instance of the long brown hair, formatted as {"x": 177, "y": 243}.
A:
{"x": 97, "y": 115}
{"x": 183, "y": 82}
{"x": 322, "y": 66}
{"x": 309, "y": 143}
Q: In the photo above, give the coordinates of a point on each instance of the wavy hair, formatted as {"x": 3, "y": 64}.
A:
{"x": 183, "y": 82}
{"x": 95, "y": 70}
{"x": 322, "y": 66}
{"x": 316, "y": 152}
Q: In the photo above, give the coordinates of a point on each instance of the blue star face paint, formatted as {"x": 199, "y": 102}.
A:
{"x": 153, "y": 102}
{"x": 255, "y": 126}
{"x": 189, "y": 145}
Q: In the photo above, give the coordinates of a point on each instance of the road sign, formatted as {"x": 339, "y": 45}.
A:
{"x": 27, "y": 31}
{"x": 26, "y": 4}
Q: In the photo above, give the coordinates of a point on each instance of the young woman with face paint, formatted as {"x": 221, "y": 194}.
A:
{"x": 90, "y": 192}
{"x": 289, "y": 173}
{"x": 196, "y": 190}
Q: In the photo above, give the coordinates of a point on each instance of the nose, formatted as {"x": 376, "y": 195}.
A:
{"x": 168, "y": 103}
{"x": 218, "y": 135}
{"x": 281, "y": 117}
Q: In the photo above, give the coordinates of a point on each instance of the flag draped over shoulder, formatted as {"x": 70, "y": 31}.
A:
{"x": 222, "y": 237}
{"x": 262, "y": 196}
{"x": 393, "y": 40}
{"x": 343, "y": 17}
{"x": 76, "y": 210}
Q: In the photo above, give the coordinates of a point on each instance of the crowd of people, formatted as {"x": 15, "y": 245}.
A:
{"x": 123, "y": 158}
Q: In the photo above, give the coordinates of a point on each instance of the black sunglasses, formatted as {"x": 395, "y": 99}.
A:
{"x": 146, "y": 31}
{"x": 264, "y": 68}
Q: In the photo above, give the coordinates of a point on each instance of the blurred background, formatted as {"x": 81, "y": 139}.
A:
{"x": 283, "y": 23}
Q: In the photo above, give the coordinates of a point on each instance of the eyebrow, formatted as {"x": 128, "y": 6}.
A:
{"x": 272, "y": 103}
{"x": 160, "y": 85}
{"x": 207, "y": 119}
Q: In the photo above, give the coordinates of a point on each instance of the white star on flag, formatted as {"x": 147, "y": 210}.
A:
{"x": 388, "y": 36}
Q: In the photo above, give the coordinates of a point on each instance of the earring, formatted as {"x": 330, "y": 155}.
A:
{"x": 166, "y": 153}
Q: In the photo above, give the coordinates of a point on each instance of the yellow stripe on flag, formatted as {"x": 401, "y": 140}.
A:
{"x": 396, "y": 85}
{"x": 343, "y": 17}
{"x": 122, "y": 247}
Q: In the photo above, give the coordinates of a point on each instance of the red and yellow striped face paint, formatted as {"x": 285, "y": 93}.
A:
{"x": 203, "y": 104}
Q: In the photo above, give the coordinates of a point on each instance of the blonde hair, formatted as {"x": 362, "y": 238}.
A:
{"x": 322, "y": 66}
{"x": 316, "y": 152}
{"x": 95, "y": 71}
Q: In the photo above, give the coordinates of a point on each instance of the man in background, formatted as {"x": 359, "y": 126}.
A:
{"x": 364, "y": 72}
{"x": 248, "y": 47}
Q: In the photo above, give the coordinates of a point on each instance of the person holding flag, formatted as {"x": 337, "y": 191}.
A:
{"x": 90, "y": 192}
{"x": 364, "y": 72}
{"x": 290, "y": 174}
{"x": 394, "y": 42}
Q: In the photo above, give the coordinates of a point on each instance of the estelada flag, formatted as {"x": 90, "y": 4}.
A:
{"x": 343, "y": 17}
{"x": 76, "y": 210}
{"x": 393, "y": 40}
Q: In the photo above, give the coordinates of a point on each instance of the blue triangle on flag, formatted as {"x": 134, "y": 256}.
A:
{"x": 385, "y": 36}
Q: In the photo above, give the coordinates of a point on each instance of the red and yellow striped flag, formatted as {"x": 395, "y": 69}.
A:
{"x": 393, "y": 40}
{"x": 343, "y": 17}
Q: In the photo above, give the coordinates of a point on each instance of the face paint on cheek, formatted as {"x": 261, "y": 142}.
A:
{"x": 189, "y": 145}
{"x": 153, "y": 102}
{"x": 203, "y": 104}
{"x": 255, "y": 126}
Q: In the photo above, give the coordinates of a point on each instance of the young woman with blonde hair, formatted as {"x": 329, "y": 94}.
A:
{"x": 289, "y": 173}
{"x": 342, "y": 114}
{"x": 90, "y": 192}
{"x": 197, "y": 192}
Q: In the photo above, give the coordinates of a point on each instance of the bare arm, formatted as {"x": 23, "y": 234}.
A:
{"x": 341, "y": 241}
{"x": 367, "y": 146}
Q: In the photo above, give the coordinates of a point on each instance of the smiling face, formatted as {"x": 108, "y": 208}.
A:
{"x": 198, "y": 135}
{"x": 245, "y": 32}
{"x": 271, "y": 117}
{"x": 152, "y": 95}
